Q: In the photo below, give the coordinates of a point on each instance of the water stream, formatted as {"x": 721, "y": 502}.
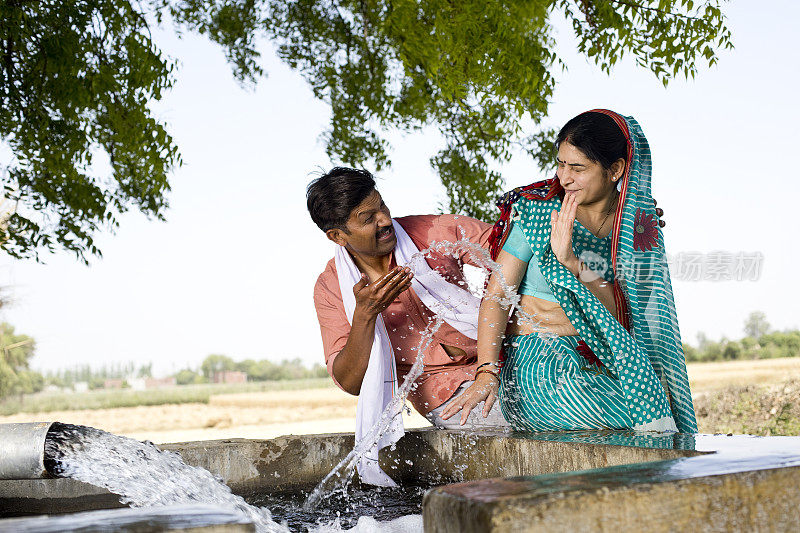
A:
{"x": 145, "y": 476}
{"x": 142, "y": 474}
{"x": 338, "y": 479}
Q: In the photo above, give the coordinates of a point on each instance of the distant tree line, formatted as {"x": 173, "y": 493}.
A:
{"x": 95, "y": 378}
{"x": 760, "y": 342}
{"x": 256, "y": 370}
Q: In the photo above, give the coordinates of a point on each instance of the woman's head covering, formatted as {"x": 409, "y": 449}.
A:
{"x": 642, "y": 287}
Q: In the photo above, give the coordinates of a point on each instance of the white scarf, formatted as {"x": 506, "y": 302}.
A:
{"x": 457, "y": 306}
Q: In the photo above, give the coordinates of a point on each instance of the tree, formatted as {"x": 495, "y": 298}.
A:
{"x": 702, "y": 340}
{"x": 691, "y": 353}
{"x": 475, "y": 70}
{"x": 145, "y": 371}
{"x": 756, "y": 325}
{"x": 188, "y": 376}
{"x": 216, "y": 363}
{"x": 78, "y": 77}
{"x": 15, "y": 353}
{"x": 732, "y": 351}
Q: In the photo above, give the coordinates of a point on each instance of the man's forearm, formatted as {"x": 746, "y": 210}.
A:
{"x": 351, "y": 362}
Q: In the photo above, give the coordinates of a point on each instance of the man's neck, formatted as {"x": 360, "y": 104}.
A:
{"x": 373, "y": 266}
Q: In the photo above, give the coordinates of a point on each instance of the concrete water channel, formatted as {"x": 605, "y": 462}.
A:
{"x": 566, "y": 481}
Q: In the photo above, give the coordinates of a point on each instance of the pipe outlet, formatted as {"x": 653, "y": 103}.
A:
{"x": 22, "y": 450}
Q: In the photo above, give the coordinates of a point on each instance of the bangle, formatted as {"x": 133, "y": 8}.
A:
{"x": 492, "y": 363}
{"x": 488, "y": 371}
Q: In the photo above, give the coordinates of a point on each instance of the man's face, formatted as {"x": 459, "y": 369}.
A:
{"x": 369, "y": 229}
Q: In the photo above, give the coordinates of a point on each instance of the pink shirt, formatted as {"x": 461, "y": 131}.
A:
{"x": 407, "y": 316}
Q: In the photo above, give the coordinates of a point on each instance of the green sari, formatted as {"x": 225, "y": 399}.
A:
{"x": 641, "y": 350}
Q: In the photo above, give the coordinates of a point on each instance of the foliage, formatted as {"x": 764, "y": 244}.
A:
{"x": 216, "y": 363}
{"x": 475, "y": 70}
{"x": 77, "y": 80}
{"x": 757, "y": 345}
{"x": 756, "y": 325}
{"x": 265, "y": 370}
{"x": 95, "y": 377}
{"x": 15, "y": 353}
{"x": 189, "y": 377}
{"x": 262, "y": 370}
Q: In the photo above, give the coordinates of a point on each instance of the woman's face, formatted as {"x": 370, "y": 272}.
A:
{"x": 583, "y": 177}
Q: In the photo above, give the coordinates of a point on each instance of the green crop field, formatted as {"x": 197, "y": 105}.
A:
{"x": 103, "y": 399}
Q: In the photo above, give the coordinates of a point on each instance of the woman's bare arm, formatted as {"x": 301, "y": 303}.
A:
{"x": 492, "y": 321}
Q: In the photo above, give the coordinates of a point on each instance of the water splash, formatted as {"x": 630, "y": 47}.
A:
{"x": 367, "y": 524}
{"x": 359, "y": 510}
{"x": 340, "y": 477}
{"x": 142, "y": 474}
{"x": 145, "y": 476}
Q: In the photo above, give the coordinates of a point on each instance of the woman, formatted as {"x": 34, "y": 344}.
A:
{"x": 586, "y": 254}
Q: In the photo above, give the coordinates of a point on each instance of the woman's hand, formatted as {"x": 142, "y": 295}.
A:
{"x": 561, "y": 225}
{"x": 483, "y": 389}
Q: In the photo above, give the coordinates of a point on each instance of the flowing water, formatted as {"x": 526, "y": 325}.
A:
{"x": 360, "y": 508}
{"x": 337, "y": 481}
{"x": 145, "y": 476}
{"x": 140, "y": 473}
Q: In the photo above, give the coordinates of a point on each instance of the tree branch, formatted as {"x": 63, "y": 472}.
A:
{"x": 636, "y": 5}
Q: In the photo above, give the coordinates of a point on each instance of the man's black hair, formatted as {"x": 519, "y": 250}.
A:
{"x": 333, "y": 196}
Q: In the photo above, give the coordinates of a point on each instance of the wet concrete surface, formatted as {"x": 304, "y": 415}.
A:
{"x": 735, "y": 482}
{"x": 494, "y": 481}
{"x": 194, "y": 518}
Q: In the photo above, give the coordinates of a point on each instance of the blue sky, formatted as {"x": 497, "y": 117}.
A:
{"x": 232, "y": 269}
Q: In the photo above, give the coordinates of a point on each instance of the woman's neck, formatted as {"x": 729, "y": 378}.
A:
{"x": 598, "y": 216}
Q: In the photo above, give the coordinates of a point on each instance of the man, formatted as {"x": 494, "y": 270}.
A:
{"x": 346, "y": 206}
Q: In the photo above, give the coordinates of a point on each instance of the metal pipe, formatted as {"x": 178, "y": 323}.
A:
{"x": 22, "y": 450}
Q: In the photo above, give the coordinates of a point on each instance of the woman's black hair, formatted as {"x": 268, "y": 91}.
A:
{"x": 333, "y": 196}
{"x": 597, "y": 136}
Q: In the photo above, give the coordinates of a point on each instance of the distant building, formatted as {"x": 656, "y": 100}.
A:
{"x": 137, "y": 383}
{"x": 80, "y": 386}
{"x": 229, "y": 376}
{"x": 113, "y": 383}
{"x": 159, "y": 383}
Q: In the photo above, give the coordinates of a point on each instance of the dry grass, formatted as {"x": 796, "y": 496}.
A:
{"x": 246, "y": 415}
{"x": 264, "y": 408}
{"x": 706, "y": 377}
{"x": 752, "y": 409}
{"x": 331, "y": 398}
{"x": 741, "y": 396}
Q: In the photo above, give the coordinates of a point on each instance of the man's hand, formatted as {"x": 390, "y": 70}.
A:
{"x": 373, "y": 298}
{"x": 483, "y": 389}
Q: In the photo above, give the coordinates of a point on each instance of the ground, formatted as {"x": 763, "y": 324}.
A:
{"x": 759, "y": 397}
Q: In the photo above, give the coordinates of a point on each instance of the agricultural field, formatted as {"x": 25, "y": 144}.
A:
{"x": 758, "y": 397}
{"x": 44, "y": 402}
